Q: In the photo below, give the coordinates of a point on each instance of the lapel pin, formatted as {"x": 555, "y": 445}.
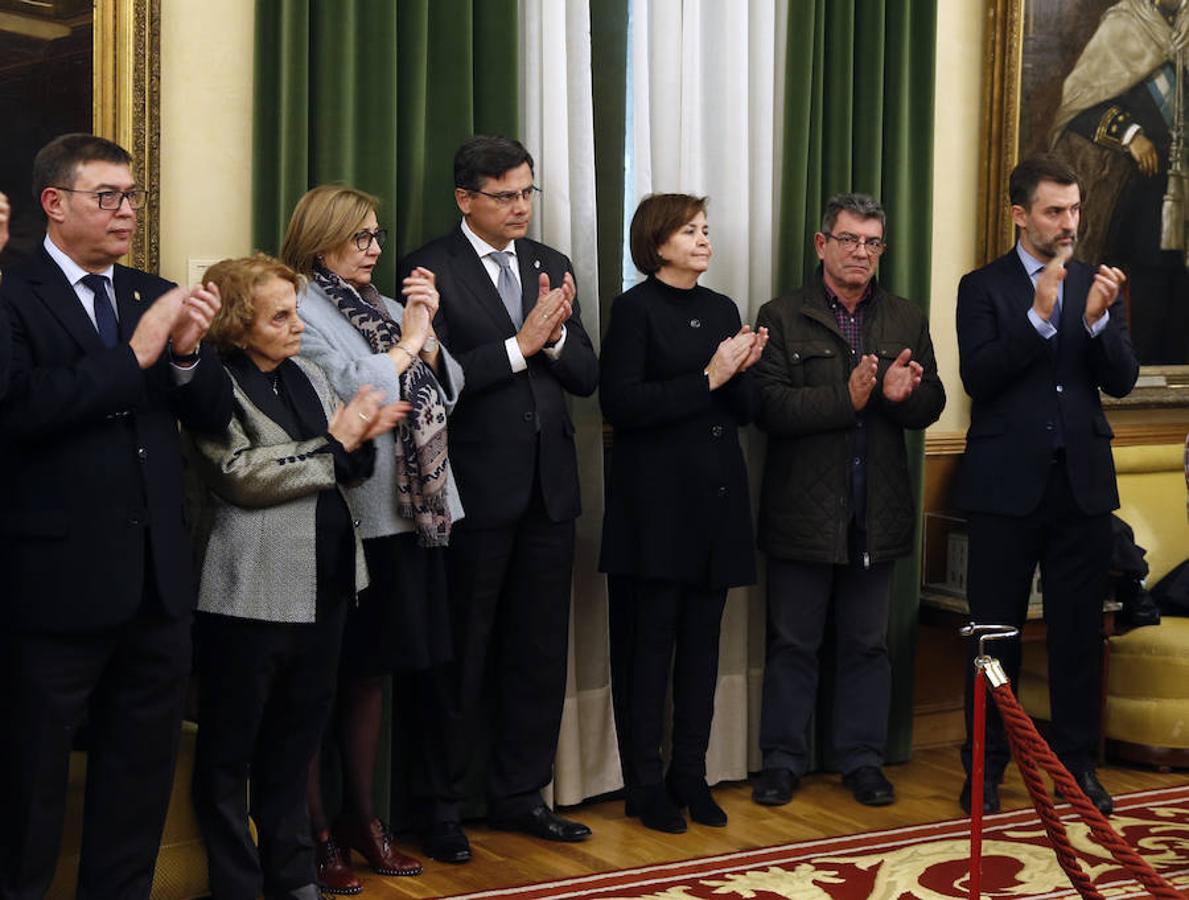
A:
{"x": 136, "y": 296}
{"x": 536, "y": 264}
{"x": 695, "y": 323}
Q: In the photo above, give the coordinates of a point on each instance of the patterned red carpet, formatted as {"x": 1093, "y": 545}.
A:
{"x": 926, "y": 862}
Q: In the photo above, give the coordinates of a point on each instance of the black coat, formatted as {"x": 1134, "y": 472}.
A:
{"x": 678, "y": 507}
{"x": 1022, "y": 386}
{"x": 806, "y": 502}
{"x": 91, "y": 460}
{"x": 504, "y": 420}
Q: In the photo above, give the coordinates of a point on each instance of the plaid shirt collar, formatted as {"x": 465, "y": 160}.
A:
{"x": 850, "y": 324}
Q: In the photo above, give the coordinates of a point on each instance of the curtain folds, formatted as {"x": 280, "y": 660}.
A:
{"x": 378, "y": 95}
{"x": 858, "y": 115}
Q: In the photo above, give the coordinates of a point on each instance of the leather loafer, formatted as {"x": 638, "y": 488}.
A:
{"x": 774, "y": 787}
{"x": 990, "y": 797}
{"x": 869, "y": 786}
{"x": 544, "y": 823}
{"x": 335, "y": 875}
{"x": 446, "y": 842}
{"x": 1093, "y": 789}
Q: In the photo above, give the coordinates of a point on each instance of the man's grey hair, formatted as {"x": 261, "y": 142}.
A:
{"x": 862, "y": 206}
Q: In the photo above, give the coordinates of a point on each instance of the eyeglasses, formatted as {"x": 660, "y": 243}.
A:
{"x": 363, "y": 239}
{"x": 507, "y": 198}
{"x": 850, "y": 243}
{"x": 112, "y": 200}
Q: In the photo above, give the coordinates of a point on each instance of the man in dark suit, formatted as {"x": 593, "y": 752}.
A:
{"x": 95, "y": 560}
{"x": 509, "y": 315}
{"x": 1037, "y": 340}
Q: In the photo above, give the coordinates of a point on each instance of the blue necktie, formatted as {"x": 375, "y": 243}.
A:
{"x": 509, "y": 288}
{"x": 105, "y": 316}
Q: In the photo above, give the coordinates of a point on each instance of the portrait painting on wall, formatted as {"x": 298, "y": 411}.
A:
{"x": 1102, "y": 84}
{"x": 76, "y": 65}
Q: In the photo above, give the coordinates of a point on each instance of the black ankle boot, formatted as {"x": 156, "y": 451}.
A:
{"x": 656, "y": 811}
{"x": 692, "y": 791}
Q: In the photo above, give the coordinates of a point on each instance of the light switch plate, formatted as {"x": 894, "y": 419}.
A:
{"x": 196, "y": 268}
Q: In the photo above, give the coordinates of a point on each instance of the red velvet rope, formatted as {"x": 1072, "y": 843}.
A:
{"x": 1032, "y": 754}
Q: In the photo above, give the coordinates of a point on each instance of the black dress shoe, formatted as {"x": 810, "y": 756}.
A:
{"x": 990, "y": 797}
{"x": 774, "y": 787}
{"x": 446, "y": 842}
{"x": 694, "y": 792}
{"x": 655, "y": 809}
{"x": 1093, "y": 789}
{"x": 869, "y": 786}
{"x": 542, "y": 822}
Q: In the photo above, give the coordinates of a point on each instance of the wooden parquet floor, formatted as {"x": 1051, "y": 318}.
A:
{"x": 926, "y": 787}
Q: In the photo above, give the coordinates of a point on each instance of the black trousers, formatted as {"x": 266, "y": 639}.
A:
{"x": 657, "y": 626}
{"x": 510, "y": 612}
{"x": 128, "y": 684}
{"x": 800, "y": 595}
{"x": 1074, "y": 552}
{"x": 266, "y": 690}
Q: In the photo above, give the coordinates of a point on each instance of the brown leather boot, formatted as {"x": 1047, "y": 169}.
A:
{"x": 375, "y": 842}
{"x": 335, "y": 875}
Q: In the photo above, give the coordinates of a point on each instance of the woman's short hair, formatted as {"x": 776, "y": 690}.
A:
{"x": 237, "y": 280}
{"x": 323, "y": 220}
{"x": 657, "y": 218}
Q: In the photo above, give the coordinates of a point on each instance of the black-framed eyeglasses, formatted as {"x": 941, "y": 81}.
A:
{"x": 112, "y": 200}
{"x": 852, "y": 242}
{"x": 507, "y": 198}
{"x": 363, "y": 239}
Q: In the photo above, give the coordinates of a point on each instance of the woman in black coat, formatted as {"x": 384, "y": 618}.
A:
{"x": 678, "y": 531}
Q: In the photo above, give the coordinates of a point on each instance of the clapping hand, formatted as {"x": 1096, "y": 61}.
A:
{"x": 1107, "y": 282}
{"x": 194, "y": 319}
{"x": 734, "y": 354}
{"x": 365, "y": 417}
{"x": 5, "y": 213}
{"x": 1048, "y": 283}
{"x": 902, "y": 377}
{"x": 544, "y": 322}
{"x": 862, "y": 380}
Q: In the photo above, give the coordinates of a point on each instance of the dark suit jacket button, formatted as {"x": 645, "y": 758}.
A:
{"x": 716, "y": 431}
{"x": 722, "y": 492}
{"x": 528, "y": 417}
{"x": 142, "y": 453}
{"x": 136, "y": 519}
{"x": 1048, "y": 426}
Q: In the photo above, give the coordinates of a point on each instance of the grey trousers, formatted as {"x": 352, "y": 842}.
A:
{"x": 799, "y": 597}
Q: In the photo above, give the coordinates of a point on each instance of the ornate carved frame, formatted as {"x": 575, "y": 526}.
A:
{"x": 1003, "y": 60}
{"x": 127, "y": 88}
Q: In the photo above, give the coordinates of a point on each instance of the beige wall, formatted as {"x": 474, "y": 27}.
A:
{"x": 956, "y": 124}
{"x": 206, "y": 131}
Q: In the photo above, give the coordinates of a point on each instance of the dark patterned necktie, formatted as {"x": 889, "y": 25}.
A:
{"x": 105, "y": 316}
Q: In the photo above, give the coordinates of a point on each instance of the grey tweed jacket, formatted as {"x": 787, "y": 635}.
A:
{"x": 348, "y": 361}
{"x": 254, "y": 513}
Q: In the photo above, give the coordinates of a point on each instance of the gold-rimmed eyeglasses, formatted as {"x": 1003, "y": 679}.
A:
{"x": 507, "y": 198}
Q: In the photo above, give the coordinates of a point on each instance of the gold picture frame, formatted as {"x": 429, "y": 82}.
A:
{"x": 1030, "y": 46}
{"x": 126, "y": 103}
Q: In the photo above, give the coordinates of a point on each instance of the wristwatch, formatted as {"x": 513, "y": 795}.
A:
{"x": 186, "y": 358}
{"x": 430, "y": 345}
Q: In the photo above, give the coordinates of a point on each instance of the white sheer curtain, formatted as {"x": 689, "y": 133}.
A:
{"x": 702, "y": 84}
{"x": 704, "y": 112}
{"x": 558, "y": 128}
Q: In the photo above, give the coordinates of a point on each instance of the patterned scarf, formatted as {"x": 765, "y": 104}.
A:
{"x": 422, "y": 466}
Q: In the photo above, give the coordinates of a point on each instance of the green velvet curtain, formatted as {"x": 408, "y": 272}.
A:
{"x": 377, "y": 94}
{"x": 859, "y": 117}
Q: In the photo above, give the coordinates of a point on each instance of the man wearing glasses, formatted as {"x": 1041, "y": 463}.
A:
{"x": 509, "y": 315}
{"x": 96, "y": 580}
{"x": 847, "y": 369}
